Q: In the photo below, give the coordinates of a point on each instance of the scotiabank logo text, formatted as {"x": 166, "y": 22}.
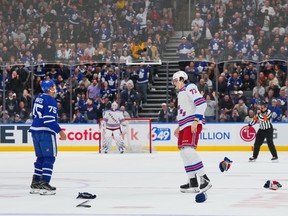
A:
{"x": 86, "y": 134}
{"x": 19, "y": 134}
{"x": 8, "y": 134}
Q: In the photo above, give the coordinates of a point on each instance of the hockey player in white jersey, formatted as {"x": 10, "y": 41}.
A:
{"x": 113, "y": 125}
{"x": 190, "y": 117}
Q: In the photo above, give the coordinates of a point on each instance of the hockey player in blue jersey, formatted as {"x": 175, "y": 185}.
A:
{"x": 43, "y": 130}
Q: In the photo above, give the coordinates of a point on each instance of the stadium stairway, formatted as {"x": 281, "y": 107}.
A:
{"x": 158, "y": 90}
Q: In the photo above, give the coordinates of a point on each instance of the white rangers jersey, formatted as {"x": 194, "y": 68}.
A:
{"x": 191, "y": 104}
{"x": 113, "y": 119}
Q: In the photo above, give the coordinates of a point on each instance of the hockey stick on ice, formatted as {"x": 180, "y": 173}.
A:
{"x": 83, "y": 204}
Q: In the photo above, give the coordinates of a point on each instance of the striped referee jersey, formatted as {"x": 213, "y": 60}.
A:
{"x": 264, "y": 118}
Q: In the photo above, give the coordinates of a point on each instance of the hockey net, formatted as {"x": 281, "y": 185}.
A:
{"x": 137, "y": 138}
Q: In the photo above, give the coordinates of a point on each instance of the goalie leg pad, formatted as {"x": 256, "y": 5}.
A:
{"x": 107, "y": 141}
{"x": 119, "y": 141}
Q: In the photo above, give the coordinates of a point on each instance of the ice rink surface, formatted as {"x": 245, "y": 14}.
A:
{"x": 144, "y": 184}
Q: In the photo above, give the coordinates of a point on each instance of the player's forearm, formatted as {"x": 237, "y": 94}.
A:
{"x": 54, "y": 126}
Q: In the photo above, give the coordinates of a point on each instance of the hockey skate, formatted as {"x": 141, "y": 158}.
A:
{"x": 274, "y": 159}
{"x": 35, "y": 186}
{"x": 205, "y": 183}
{"x": 252, "y": 159}
{"x": 47, "y": 189}
{"x": 191, "y": 187}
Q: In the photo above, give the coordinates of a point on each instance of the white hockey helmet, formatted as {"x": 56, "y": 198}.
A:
{"x": 178, "y": 75}
{"x": 114, "y": 105}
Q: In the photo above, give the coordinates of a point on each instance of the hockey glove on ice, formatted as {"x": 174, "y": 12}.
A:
{"x": 201, "y": 197}
{"x": 225, "y": 164}
{"x": 86, "y": 195}
{"x": 272, "y": 185}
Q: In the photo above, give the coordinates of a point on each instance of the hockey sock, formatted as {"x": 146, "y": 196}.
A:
{"x": 38, "y": 168}
{"x": 48, "y": 168}
{"x": 192, "y": 162}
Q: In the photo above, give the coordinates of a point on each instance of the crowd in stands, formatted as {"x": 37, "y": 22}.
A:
{"x": 248, "y": 40}
{"x": 83, "y": 46}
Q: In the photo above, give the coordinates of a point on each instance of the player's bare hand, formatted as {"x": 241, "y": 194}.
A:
{"x": 176, "y": 132}
{"x": 62, "y": 135}
{"x": 194, "y": 127}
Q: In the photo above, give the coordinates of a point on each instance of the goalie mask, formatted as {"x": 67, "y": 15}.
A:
{"x": 114, "y": 106}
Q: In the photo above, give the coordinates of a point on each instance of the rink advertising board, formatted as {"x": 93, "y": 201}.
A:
{"x": 85, "y": 137}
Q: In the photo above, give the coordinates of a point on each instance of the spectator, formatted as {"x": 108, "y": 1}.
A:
{"x": 202, "y": 87}
{"x": 105, "y": 91}
{"x": 129, "y": 99}
{"x": 78, "y": 118}
{"x": 172, "y": 110}
{"x": 215, "y": 46}
{"x": 185, "y": 50}
{"x": 90, "y": 50}
{"x": 27, "y": 99}
{"x": 112, "y": 80}
{"x": 210, "y": 112}
{"x": 250, "y": 116}
{"x": 164, "y": 115}
{"x": 85, "y": 82}
{"x": 276, "y": 111}
{"x": 192, "y": 72}
{"x": 234, "y": 83}
{"x": 93, "y": 89}
{"x": 142, "y": 75}
{"x": 248, "y": 83}
{"x": 17, "y": 119}
{"x": 5, "y": 118}
{"x": 11, "y": 103}
{"x": 22, "y": 112}
{"x": 64, "y": 118}
{"x": 123, "y": 82}
{"x": 197, "y": 22}
{"x": 285, "y": 116}
{"x": 241, "y": 96}
{"x": 105, "y": 36}
{"x": 101, "y": 49}
{"x": 240, "y": 111}
{"x": 91, "y": 111}
{"x": 16, "y": 85}
{"x": 270, "y": 96}
{"x": 152, "y": 51}
{"x": 222, "y": 87}
{"x": 226, "y": 106}
{"x": 125, "y": 113}
{"x": 30, "y": 119}
{"x": 160, "y": 44}
{"x": 125, "y": 57}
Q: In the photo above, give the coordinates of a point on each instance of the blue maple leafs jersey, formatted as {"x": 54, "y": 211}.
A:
{"x": 45, "y": 113}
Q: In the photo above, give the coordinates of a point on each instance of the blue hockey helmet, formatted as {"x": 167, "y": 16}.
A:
{"x": 46, "y": 84}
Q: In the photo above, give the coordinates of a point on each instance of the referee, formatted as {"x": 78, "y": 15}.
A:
{"x": 264, "y": 116}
